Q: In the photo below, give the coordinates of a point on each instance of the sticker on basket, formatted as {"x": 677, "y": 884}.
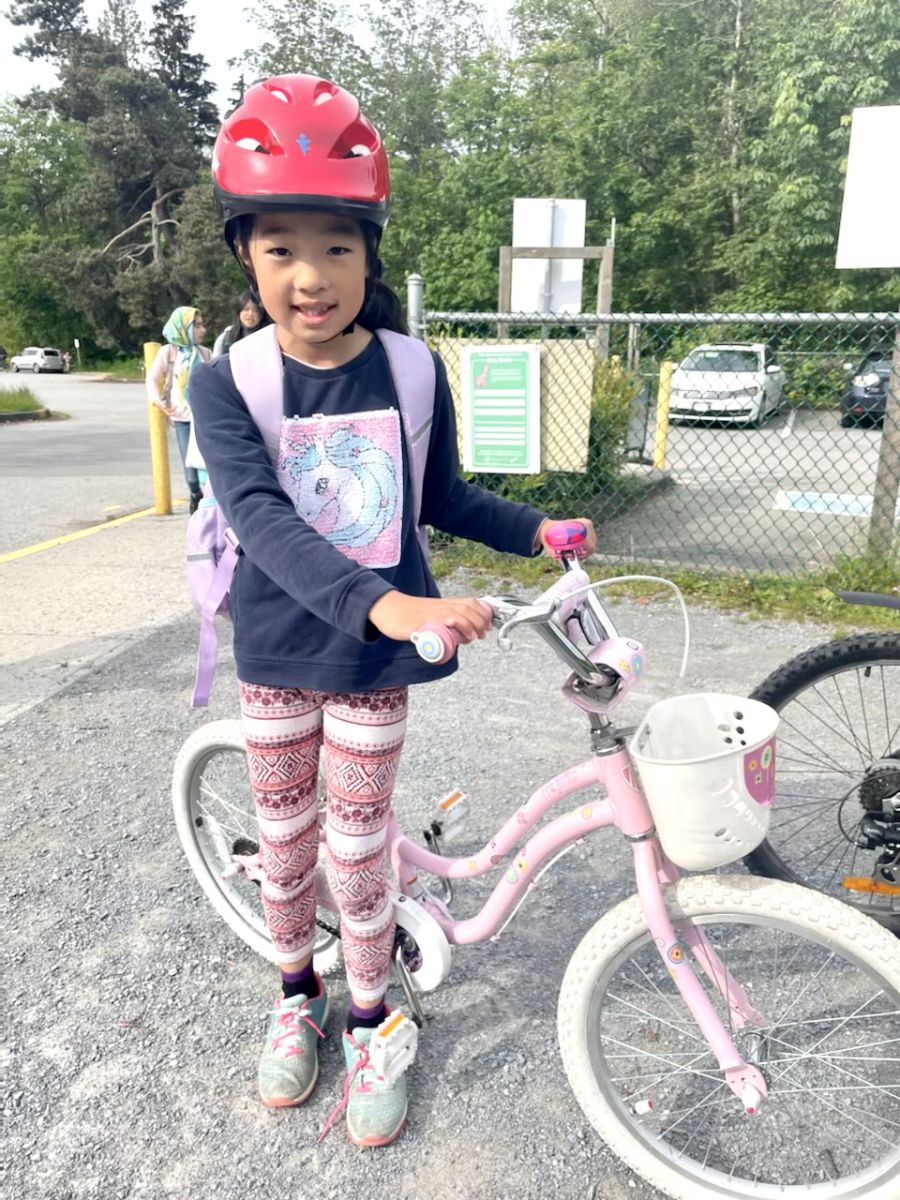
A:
{"x": 759, "y": 772}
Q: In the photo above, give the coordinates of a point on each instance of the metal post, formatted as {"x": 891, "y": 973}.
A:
{"x": 505, "y": 288}
{"x": 604, "y": 296}
{"x": 661, "y": 434}
{"x": 887, "y": 479}
{"x": 415, "y": 306}
{"x": 633, "y": 358}
{"x": 159, "y": 442}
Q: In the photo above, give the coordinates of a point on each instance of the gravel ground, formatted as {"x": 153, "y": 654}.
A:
{"x": 136, "y": 1017}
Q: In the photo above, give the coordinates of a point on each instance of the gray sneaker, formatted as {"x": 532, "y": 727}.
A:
{"x": 289, "y": 1066}
{"x": 376, "y": 1109}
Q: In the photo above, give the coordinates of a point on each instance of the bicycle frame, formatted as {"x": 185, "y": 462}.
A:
{"x": 626, "y": 809}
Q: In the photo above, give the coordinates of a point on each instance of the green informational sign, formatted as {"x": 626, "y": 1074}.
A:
{"x": 501, "y": 407}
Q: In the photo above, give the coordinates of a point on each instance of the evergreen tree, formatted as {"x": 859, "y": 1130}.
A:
{"x": 58, "y": 22}
{"x": 120, "y": 25}
{"x": 182, "y": 72}
{"x": 237, "y": 96}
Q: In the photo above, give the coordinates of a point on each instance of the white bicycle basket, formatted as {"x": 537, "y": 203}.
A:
{"x": 707, "y": 765}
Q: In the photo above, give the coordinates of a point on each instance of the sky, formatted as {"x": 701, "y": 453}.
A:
{"x": 217, "y": 36}
{"x": 221, "y": 32}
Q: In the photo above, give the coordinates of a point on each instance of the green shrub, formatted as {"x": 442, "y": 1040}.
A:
{"x": 19, "y": 399}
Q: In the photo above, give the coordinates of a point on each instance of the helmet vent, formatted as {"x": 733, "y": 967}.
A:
{"x": 324, "y": 92}
{"x": 357, "y": 141}
{"x": 280, "y": 95}
{"x": 255, "y": 135}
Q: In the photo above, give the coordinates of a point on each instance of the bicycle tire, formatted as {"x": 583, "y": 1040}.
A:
{"x": 208, "y": 850}
{"x": 806, "y": 691}
{"x": 613, "y": 1080}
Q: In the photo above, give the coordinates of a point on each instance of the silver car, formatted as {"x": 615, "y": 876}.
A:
{"x": 739, "y": 383}
{"x": 37, "y": 359}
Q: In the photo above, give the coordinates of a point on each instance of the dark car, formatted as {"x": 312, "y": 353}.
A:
{"x": 865, "y": 399}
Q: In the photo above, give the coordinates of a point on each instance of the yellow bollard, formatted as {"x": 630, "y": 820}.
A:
{"x": 661, "y": 434}
{"x": 159, "y": 442}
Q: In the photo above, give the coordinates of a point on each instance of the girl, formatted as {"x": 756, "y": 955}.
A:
{"x": 250, "y": 316}
{"x": 332, "y": 581}
{"x": 169, "y": 378}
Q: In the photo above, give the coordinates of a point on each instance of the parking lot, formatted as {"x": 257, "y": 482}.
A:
{"x": 787, "y": 497}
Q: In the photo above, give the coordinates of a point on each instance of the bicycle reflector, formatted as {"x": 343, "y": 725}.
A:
{"x": 864, "y": 883}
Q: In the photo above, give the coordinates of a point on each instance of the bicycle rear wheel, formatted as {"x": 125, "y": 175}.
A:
{"x": 827, "y": 980}
{"x": 216, "y": 819}
{"x": 837, "y": 771}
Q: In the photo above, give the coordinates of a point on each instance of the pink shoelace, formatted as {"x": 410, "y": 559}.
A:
{"x": 361, "y": 1064}
{"x": 289, "y": 1019}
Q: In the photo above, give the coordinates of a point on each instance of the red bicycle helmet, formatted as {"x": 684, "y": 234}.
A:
{"x": 298, "y": 141}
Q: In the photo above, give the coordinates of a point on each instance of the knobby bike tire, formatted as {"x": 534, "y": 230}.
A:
{"x": 788, "y": 683}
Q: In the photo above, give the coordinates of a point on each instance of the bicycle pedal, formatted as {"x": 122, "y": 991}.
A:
{"x": 452, "y": 815}
{"x": 393, "y": 1045}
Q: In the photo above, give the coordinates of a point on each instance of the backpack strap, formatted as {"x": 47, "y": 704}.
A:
{"x": 257, "y": 369}
{"x": 415, "y": 379}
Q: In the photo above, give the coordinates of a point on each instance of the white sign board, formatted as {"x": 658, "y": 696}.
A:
{"x": 501, "y": 408}
{"x": 870, "y": 226}
{"x": 541, "y": 285}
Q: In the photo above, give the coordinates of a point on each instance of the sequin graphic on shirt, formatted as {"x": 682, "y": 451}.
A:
{"x": 344, "y": 476}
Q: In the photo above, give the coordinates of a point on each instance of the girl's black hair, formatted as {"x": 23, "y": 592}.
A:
{"x": 381, "y": 308}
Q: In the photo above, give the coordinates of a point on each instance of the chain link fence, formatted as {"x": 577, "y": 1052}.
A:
{"x": 751, "y": 442}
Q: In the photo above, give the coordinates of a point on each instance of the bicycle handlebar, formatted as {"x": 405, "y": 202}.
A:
{"x": 437, "y": 643}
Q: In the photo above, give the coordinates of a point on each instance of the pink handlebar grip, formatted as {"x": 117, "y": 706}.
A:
{"x": 436, "y": 643}
{"x": 563, "y": 536}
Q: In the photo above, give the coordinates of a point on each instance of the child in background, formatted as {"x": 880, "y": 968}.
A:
{"x": 332, "y": 580}
{"x": 250, "y": 316}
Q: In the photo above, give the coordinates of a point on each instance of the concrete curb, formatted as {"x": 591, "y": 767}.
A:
{"x": 38, "y": 414}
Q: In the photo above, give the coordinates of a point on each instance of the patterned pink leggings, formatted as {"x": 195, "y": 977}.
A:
{"x": 363, "y": 737}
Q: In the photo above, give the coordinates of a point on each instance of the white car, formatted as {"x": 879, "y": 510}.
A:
{"x": 37, "y": 359}
{"x": 739, "y": 383}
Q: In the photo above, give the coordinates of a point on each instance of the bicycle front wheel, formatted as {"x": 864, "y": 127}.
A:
{"x": 827, "y": 981}
{"x": 837, "y": 772}
{"x": 216, "y": 819}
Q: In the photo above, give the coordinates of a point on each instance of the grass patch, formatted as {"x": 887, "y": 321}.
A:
{"x": 797, "y": 598}
{"x": 123, "y": 369}
{"x": 19, "y": 399}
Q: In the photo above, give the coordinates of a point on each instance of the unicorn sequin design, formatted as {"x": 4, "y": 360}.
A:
{"x": 343, "y": 476}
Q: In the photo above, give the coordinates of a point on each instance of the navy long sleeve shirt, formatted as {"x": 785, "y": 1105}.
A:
{"x": 329, "y": 528}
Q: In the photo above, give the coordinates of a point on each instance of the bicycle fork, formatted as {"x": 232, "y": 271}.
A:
{"x": 744, "y": 1079}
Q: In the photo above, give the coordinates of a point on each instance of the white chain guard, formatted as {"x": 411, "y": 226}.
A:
{"x": 428, "y": 936}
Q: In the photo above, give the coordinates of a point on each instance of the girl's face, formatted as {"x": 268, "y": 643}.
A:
{"x": 198, "y": 329}
{"x": 250, "y": 316}
{"x": 310, "y": 270}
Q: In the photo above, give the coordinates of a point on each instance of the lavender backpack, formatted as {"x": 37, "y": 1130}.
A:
{"x": 257, "y": 369}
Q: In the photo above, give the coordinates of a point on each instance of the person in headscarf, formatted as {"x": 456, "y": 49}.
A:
{"x": 168, "y": 384}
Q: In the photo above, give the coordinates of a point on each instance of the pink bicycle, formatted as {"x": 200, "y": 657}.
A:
{"x": 727, "y": 1036}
